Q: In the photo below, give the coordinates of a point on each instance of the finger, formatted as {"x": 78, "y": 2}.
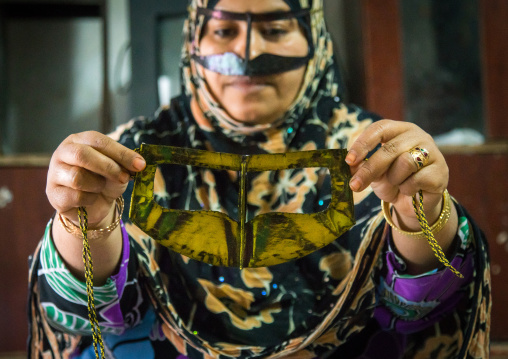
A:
{"x": 64, "y": 199}
{"x": 81, "y": 155}
{"x": 379, "y": 132}
{"x": 381, "y": 161}
{"x": 397, "y": 140}
{"x": 384, "y": 190}
{"x": 125, "y": 157}
{"x": 78, "y": 178}
{"x": 401, "y": 169}
{"x": 432, "y": 179}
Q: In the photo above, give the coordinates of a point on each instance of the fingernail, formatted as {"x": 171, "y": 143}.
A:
{"x": 355, "y": 184}
{"x": 351, "y": 158}
{"x": 139, "y": 163}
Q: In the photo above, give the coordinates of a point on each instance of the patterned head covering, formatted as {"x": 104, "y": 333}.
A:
{"x": 320, "y": 80}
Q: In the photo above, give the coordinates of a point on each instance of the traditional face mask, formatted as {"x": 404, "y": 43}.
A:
{"x": 228, "y": 63}
{"x": 267, "y": 239}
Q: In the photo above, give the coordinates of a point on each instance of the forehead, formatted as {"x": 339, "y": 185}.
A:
{"x": 253, "y": 6}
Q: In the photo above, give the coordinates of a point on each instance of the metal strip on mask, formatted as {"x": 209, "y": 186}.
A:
{"x": 267, "y": 239}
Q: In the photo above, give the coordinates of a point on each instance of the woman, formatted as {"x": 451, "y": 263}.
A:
{"x": 259, "y": 82}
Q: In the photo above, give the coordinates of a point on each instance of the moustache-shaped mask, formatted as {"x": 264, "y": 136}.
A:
{"x": 274, "y": 26}
{"x": 265, "y": 240}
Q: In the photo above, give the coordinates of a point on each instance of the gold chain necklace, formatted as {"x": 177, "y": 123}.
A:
{"x": 424, "y": 224}
{"x": 87, "y": 261}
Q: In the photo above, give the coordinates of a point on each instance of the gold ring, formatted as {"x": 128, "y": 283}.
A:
{"x": 420, "y": 157}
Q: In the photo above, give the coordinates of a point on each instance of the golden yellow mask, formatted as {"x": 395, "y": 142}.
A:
{"x": 265, "y": 240}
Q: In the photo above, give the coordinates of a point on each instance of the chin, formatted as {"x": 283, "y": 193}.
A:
{"x": 254, "y": 116}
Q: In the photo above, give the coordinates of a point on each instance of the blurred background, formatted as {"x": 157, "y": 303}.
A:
{"x": 73, "y": 65}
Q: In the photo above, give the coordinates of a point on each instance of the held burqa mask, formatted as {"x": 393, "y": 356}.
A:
{"x": 265, "y": 240}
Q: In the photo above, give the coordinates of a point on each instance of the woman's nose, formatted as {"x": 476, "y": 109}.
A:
{"x": 256, "y": 47}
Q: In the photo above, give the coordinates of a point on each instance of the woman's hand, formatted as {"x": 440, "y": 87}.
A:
{"x": 89, "y": 169}
{"x": 391, "y": 170}
{"x": 395, "y": 177}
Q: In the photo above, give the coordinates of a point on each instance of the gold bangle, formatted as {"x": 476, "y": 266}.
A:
{"x": 93, "y": 234}
{"x": 436, "y": 227}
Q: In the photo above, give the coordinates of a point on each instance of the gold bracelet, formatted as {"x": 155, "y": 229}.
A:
{"x": 436, "y": 227}
{"x": 93, "y": 234}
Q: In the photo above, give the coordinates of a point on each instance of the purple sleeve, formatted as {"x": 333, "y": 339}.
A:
{"x": 410, "y": 303}
{"x": 120, "y": 277}
{"x": 113, "y": 313}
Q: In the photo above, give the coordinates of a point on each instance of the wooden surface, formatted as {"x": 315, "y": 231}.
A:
{"x": 22, "y": 224}
{"x": 494, "y": 26}
{"x": 479, "y": 183}
{"x": 31, "y": 160}
{"x": 383, "y": 58}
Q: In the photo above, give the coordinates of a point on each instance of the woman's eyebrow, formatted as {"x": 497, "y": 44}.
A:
{"x": 279, "y": 8}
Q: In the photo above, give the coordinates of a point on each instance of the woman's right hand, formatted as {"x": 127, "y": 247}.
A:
{"x": 90, "y": 170}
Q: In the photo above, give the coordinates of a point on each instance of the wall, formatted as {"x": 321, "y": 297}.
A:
{"x": 22, "y": 223}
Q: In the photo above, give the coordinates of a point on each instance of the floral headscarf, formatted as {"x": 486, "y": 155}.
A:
{"x": 320, "y": 80}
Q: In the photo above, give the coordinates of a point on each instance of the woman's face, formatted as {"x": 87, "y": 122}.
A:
{"x": 254, "y": 99}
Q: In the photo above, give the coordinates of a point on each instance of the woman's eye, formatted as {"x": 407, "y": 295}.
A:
{"x": 274, "y": 32}
{"x": 224, "y": 33}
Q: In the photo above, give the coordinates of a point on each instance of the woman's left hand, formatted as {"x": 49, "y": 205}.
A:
{"x": 393, "y": 173}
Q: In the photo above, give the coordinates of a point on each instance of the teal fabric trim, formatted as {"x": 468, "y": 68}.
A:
{"x": 64, "y": 283}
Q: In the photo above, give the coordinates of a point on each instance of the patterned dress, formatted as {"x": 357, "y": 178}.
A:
{"x": 350, "y": 299}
